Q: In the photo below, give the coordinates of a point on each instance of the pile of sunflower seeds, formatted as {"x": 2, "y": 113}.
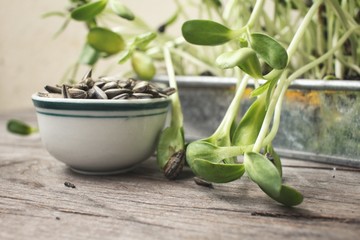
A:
{"x": 107, "y": 88}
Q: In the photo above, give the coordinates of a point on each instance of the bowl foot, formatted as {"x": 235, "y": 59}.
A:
{"x": 110, "y": 172}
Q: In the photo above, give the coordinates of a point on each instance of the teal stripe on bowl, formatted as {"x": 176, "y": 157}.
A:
{"x": 99, "y": 105}
{"x": 92, "y": 116}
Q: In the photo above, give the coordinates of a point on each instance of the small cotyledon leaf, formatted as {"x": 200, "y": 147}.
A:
{"x": 250, "y": 124}
{"x": 217, "y": 172}
{"x": 105, "y": 40}
{"x": 88, "y": 11}
{"x": 263, "y": 172}
{"x": 143, "y": 65}
{"x": 244, "y": 58}
{"x": 206, "y": 32}
{"x": 19, "y": 127}
{"x": 288, "y": 196}
{"x": 270, "y": 50}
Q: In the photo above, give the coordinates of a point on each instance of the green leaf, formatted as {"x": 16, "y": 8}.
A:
{"x": 263, "y": 172}
{"x": 270, "y": 50}
{"x": 143, "y": 65}
{"x": 121, "y": 10}
{"x": 258, "y": 91}
{"x": 218, "y": 173}
{"x": 88, "y": 11}
{"x": 250, "y": 124}
{"x": 105, "y": 40}
{"x": 171, "y": 140}
{"x": 288, "y": 196}
{"x": 205, "y": 32}
{"x": 202, "y": 150}
{"x": 19, "y": 127}
{"x": 89, "y": 55}
{"x": 244, "y": 58}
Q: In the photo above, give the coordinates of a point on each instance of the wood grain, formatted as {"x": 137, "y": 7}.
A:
{"x": 142, "y": 204}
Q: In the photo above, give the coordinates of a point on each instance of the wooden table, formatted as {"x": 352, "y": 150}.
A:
{"x": 142, "y": 204}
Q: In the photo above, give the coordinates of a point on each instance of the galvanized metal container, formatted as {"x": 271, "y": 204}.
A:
{"x": 320, "y": 119}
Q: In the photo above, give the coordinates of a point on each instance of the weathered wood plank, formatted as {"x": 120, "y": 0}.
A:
{"x": 142, "y": 204}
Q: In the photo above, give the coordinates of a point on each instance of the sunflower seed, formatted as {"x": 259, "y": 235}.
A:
{"x": 109, "y": 85}
{"x": 108, "y": 88}
{"x": 202, "y": 182}
{"x": 87, "y": 75}
{"x": 100, "y": 94}
{"x": 82, "y": 86}
{"x": 175, "y": 165}
{"x": 167, "y": 91}
{"x": 77, "y": 93}
{"x": 142, "y": 95}
{"x": 122, "y": 96}
{"x": 91, "y": 93}
{"x": 141, "y": 87}
{"x": 89, "y": 82}
{"x": 65, "y": 91}
{"x": 52, "y": 89}
{"x": 116, "y": 91}
{"x": 99, "y": 84}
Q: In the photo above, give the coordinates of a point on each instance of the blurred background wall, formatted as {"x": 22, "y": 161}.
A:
{"x": 31, "y": 57}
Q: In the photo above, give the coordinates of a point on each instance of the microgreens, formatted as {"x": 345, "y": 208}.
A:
{"x": 209, "y": 158}
{"x": 313, "y": 39}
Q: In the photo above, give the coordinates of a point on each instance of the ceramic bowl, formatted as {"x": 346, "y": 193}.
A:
{"x": 100, "y": 136}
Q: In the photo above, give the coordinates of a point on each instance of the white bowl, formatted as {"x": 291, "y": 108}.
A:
{"x": 100, "y": 136}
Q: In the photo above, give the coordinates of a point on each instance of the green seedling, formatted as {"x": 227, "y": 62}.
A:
{"x": 213, "y": 159}
{"x": 21, "y": 128}
{"x": 171, "y": 146}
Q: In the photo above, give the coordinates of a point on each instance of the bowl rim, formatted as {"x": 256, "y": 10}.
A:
{"x": 99, "y": 104}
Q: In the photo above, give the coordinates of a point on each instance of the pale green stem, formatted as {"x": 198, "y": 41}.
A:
{"x": 268, "y": 116}
{"x": 176, "y": 112}
{"x": 275, "y": 73}
{"x": 232, "y": 111}
{"x": 346, "y": 23}
{"x": 324, "y": 57}
{"x": 276, "y": 122}
{"x": 338, "y": 66}
{"x": 319, "y": 35}
{"x": 231, "y": 151}
{"x": 302, "y": 29}
{"x": 330, "y": 32}
{"x": 255, "y": 13}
